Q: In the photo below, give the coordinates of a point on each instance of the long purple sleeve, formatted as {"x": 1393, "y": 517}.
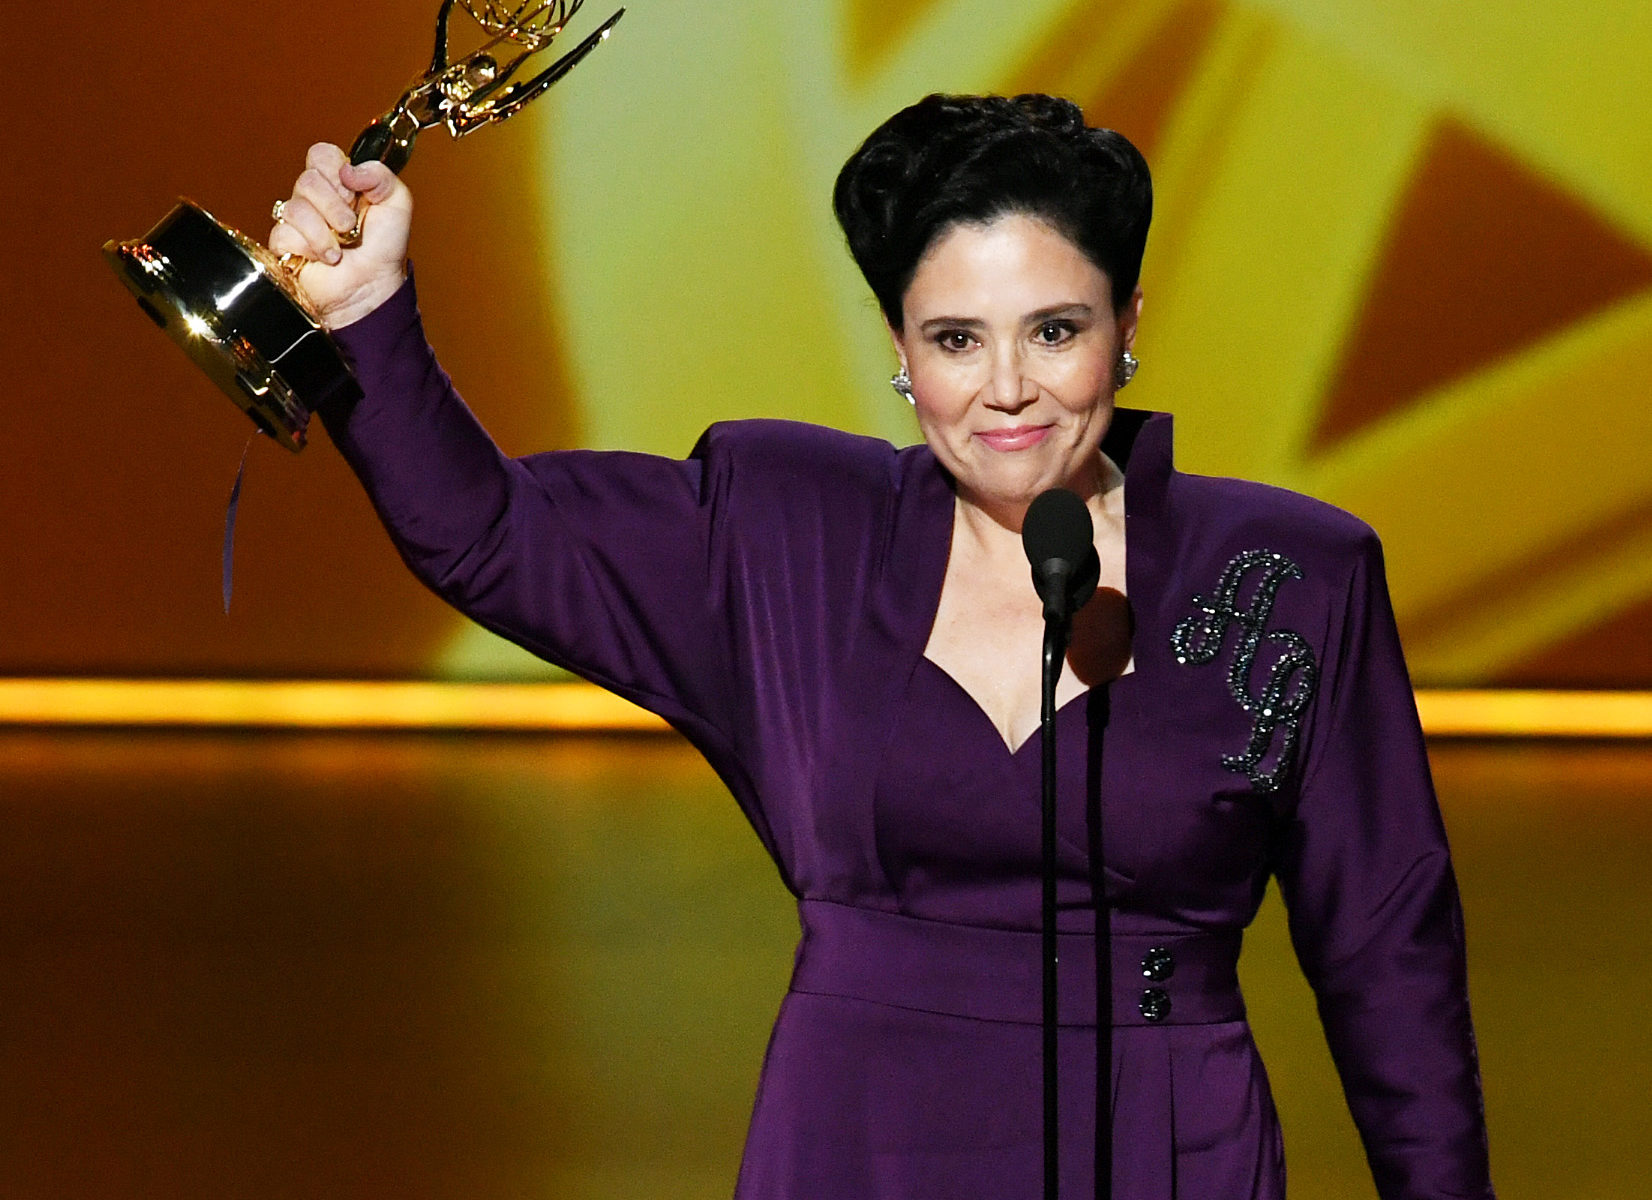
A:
{"x": 1374, "y": 913}
{"x": 510, "y": 542}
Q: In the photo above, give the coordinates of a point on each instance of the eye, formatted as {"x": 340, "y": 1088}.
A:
{"x": 1053, "y": 333}
{"x": 954, "y": 340}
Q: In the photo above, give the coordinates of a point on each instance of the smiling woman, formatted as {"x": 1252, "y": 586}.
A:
{"x": 846, "y": 631}
{"x": 1012, "y": 346}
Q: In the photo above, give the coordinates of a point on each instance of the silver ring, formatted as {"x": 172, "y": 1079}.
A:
{"x": 279, "y": 212}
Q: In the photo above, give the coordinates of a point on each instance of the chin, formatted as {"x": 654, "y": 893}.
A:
{"x": 1009, "y": 488}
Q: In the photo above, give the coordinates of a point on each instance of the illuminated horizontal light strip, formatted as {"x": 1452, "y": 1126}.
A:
{"x": 1510, "y": 713}
{"x": 293, "y": 704}
{"x": 583, "y": 708}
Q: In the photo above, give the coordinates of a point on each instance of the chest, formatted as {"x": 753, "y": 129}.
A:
{"x": 988, "y": 635}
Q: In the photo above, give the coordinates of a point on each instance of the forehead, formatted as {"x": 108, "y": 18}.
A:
{"x": 1013, "y": 263}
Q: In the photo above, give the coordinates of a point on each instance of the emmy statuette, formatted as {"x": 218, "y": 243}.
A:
{"x": 236, "y": 309}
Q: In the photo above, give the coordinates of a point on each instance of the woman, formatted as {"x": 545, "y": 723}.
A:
{"x": 848, "y": 633}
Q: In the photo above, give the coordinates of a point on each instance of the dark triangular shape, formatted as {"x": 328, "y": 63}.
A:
{"x": 1139, "y": 100}
{"x": 1485, "y": 258}
{"x": 1614, "y": 653}
{"x": 875, "y": 28}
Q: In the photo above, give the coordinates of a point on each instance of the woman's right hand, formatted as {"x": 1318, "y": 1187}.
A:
{"x": 344, "y": 285}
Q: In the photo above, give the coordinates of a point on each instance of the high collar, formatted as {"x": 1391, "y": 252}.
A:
{"x": 1140, "y": 442}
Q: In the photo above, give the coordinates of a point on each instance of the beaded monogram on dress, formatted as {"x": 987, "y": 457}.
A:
{"x": 1276, "y": 710}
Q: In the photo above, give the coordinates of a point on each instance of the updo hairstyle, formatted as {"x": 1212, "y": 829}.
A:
{"x": 950, "y": 160}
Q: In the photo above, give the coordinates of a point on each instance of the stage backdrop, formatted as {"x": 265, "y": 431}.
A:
{"x": 1402, "y": 261}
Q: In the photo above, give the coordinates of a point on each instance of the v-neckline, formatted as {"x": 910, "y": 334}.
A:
{"x": 1013, "y": 752}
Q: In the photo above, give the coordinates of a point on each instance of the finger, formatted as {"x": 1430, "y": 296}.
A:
{"x": 284, "y": 239}
{"x": 372, "y": 179}
{"x": 327, "y": 197}
{"x": 316, "y": 236}
{"x": 329, "y": 160}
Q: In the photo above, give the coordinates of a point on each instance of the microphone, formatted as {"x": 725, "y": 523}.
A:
{"x": 1059, "y": 538}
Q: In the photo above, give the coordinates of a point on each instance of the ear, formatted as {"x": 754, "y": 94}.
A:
{"x": 1128, "y": 318}
{"x": 898, "y": 341}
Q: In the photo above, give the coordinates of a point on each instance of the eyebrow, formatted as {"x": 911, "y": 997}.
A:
{"x": 1032, "y": 318}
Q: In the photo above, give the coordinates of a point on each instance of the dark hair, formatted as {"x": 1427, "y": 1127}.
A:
{"x": 950, "y": 160}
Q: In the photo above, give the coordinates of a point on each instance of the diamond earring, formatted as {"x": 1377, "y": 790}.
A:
{"x": 1125, "y": 369}
{"x": 902, "y": 383}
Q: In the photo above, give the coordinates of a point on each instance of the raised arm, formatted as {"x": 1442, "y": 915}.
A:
{"x": 599, "y": 562}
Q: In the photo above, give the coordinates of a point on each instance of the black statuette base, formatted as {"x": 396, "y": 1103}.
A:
{"x": 235, "y": 311}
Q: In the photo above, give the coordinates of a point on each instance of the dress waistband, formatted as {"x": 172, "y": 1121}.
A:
{"x": 996, "y": 974}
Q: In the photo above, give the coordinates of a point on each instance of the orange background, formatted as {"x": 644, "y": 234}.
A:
{"x": 121, "y": 458}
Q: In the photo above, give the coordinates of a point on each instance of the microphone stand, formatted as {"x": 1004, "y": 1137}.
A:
{"x": 1056, "y": 630}
{"x": 1058, "y": 536}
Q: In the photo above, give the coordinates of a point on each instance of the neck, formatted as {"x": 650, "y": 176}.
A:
{"x": 994, "y": 526}
{"x": 1099, "y": 488}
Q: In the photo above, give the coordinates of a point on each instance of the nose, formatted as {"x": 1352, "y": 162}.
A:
{"x": 1010, "y": 388}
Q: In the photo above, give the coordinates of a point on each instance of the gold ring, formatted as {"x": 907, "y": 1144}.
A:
{"x": 279, "y": 212}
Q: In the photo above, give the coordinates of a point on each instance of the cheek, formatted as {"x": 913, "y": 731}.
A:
{"x": 943, "y": 419}
{"x": 941, "y": 396}
{"x": 945, "y": 373}
{"x": 936, "y": 421}
{"x": 1083, "y": 386}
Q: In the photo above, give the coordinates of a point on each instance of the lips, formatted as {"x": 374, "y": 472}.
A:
{"x": 1017, "y": 437}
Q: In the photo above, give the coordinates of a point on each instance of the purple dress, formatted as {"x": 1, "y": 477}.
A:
{"x": 771, "y": 597}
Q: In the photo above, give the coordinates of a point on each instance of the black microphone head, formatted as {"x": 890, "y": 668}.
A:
{"x": 1059, "y": 538}
{"x": 1057, "y": 525}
